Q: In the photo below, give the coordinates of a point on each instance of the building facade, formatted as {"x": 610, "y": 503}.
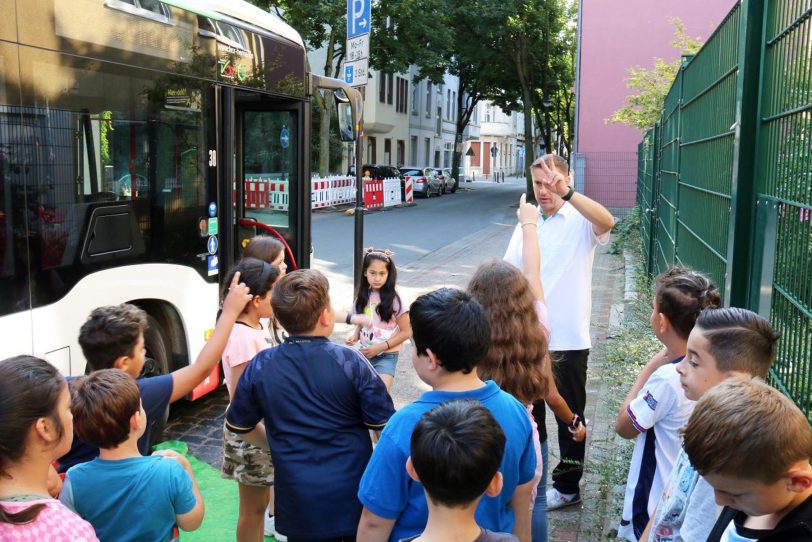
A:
{"x": 605, "y": 159}
{"x": 499, "y": 147}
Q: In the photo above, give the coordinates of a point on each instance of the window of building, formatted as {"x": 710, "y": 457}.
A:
{"x": 454, "y": 106}
{"x": 448, "y": 148}
{"x": 415, "y": 90}
{"x": 428, "y": 100}
{"x": 427, "y": 149}
{"x": 381, "y": 87}
{"x": 402, "y": 95}
{"x": 401, "y": 152}
{"x": 372, "y": 153}
{"x": 448, "y": 104}
{"x": 413, "y": 155}
{"x": 439, "y": 120}
{"x": 387, "y": 152}
{"x": 390, "y": 84}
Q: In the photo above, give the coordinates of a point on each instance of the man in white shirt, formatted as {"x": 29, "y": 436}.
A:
{"x": 570, "y": 227}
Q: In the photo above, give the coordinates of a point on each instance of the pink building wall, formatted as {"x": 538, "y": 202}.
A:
{"x": 616, "y": 35}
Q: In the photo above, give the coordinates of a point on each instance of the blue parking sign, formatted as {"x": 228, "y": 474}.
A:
{"x": 358, "y": 20}
{"x": 348, "y": 73}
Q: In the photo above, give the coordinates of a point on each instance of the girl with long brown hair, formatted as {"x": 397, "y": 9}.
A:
{"x": 518, "y": 359}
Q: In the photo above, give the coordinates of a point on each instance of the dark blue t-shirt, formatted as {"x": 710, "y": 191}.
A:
{"x": 318, "y": 400}
{"x": 155, "y": 394}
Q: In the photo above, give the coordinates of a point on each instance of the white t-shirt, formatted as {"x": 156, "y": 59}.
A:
{"x": 377, "y": 331}
{"x": 244, "y": 342}
{"x": 732, "y": 535}
{"x": 658, "y": 412}
{"x": 687, "y": 510}
{"x": 567, "y": 242}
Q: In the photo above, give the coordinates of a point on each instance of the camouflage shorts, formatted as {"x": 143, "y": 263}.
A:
{"x": 246, "y": 463}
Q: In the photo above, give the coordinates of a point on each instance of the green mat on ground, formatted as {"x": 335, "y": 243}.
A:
{"x": 220, "y": 495}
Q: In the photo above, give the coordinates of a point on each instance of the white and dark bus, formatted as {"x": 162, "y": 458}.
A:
{"x": 131, "y": 132}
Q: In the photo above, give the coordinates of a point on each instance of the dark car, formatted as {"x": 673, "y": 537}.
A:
{"x": 424, "y": 180}
{"x": 381, "y": 172}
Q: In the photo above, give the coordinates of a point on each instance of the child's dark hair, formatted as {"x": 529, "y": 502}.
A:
{"x": 102, "y": 404}
{"x": 109, "y": 333}
{"x": 262, "y": 247}
{"x": 453, "y": 325}
{"x": 259, "y": 276}
{"x": 299, "y": 297}
{"x": 387, "y": 292}
{"x": 456, "y": 449}
{"x": 29, "y": 390}
{"x": 739, "y": 340}
{"x": 681, "y": 294}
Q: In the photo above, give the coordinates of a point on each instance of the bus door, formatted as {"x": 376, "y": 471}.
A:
{"x": 271, "y": 191}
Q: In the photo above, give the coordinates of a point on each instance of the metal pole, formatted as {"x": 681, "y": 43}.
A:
{"x": 359, "y": 213}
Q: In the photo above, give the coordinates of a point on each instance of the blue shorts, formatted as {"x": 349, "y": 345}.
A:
{"x": 385, "y": 363}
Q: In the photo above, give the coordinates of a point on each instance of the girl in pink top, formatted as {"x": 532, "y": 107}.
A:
{"x": 36, "y": 428}
{"x": 382, "y": 315}
{"x": 249, "y": 465}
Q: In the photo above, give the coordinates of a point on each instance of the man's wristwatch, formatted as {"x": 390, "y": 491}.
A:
{"x": 568, "y": 195}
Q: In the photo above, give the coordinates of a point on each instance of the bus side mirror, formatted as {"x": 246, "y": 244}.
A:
{"x": 346, "y": 128}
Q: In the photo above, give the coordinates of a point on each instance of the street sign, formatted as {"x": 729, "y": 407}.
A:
{"x": 358, "y": 48}
{"x": 358, "y": 20}
{"x": 355, "y": 73}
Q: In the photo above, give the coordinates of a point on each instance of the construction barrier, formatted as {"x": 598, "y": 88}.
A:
{"x": 391, "y": 192}
{"x": 373, "y": 194}
{"x": 278, "y": 195}
{"x": 320, "y": 194}
{"x": 408, "y": 195}
{"x": 343, "y": 190}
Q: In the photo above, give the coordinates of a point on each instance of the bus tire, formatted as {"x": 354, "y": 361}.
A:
{"x": 156, "y": 364}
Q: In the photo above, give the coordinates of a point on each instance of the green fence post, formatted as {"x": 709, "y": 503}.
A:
{"x": 739, "y": 270}
{"x": 655, "y": 195}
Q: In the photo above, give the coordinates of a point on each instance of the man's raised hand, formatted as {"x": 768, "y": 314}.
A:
{"x": 556, "y": 181}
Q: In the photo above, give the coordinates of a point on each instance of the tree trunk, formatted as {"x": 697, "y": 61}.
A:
{"x": 324, "y": 125}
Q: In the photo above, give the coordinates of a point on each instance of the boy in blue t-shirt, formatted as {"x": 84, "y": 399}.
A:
{"x": 318, "y": 401}
{"x": 107, "y": 490}
{"x": 450, "y": 336}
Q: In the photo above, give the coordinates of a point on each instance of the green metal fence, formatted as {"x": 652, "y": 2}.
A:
{"x": 725, "y": 177}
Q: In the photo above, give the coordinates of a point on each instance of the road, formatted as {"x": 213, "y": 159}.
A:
{"x": 438, "y": 242}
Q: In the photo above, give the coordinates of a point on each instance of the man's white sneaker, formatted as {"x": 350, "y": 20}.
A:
{"x": 556, "y": 499}
{"x": 270, "y": 529}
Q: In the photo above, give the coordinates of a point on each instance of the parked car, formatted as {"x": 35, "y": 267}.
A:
{"x": 381, "y": 172}
{"x": 450, "y": 184}
{"x": 424, "y": 180}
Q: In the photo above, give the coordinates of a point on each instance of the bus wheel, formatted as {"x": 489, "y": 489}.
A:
{"x": 155, "y": 364}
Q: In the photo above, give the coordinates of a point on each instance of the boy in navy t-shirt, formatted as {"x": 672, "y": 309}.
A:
{"x": 124, "y": 495}
{"x": 113, "y": 338}
{"x": 318, "y": 401}
{"x": 450, "y": 336}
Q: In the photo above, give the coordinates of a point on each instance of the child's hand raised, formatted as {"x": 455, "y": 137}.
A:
{"x": 238, "y": 296}
{"x": 527, "y": 212}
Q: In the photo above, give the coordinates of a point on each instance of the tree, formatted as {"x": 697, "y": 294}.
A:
{"x": 321, "y": 23}
{"x": 650, "y": 86}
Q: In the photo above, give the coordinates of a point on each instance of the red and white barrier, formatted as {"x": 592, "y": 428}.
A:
{"x": 278, "y": 195}
{"x": 320, "y": 195}
{"x": 343, "y": 190}
{"x": 391, "y": 192}
{"x": 409, "y": 194}
{"x": 373, "y": 194}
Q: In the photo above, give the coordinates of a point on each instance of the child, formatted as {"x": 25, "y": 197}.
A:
{"x": 656, "y": 407}
{"x": 35, "y": 428}
{"x": 753, "y": 445}
{"x": 318, "y": 401}
{"x": 456, "y": 449}
{"x": 451, "y": 336}
{"x": 267, "y": 249}
{"x": 723, "y": 343}
{"x": 124, "y": 495}
{"x": 517, "y": 359}
{"x": 387, "y": 317}
{"x": 113, "y": 337}
{"x": 249, "y": 465}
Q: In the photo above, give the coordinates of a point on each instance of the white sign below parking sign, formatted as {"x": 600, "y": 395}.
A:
{"x": 358, "y": 48}
{"x": 355, "y": 73}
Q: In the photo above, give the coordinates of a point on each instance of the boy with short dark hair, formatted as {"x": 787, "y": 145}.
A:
{"x": 723, "y": 343}
{"x": 456, "y": 450}
{"x": 753, "y": 445}
{"x": 450, "y": 335}
{"x": 113, "y": 337}
{"x": 124, "y": 495}
{"x": 318, "y": 400}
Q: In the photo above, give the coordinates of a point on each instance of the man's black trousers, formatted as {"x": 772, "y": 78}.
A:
{"x": 569, "y": 370}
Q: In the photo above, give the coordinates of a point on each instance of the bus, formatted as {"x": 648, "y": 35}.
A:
{"x": 141, "y": 143}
